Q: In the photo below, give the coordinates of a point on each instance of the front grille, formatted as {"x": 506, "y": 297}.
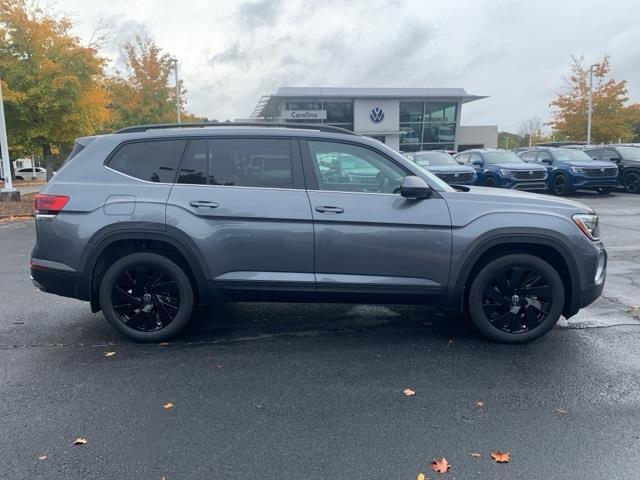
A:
{"x": 456, "y": 177}
{"x": 601, "y": 172}
{"x": 528, "y": 174}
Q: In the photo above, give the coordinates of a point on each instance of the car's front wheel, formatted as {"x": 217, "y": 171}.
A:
{"x": 631, "y": 182}
{"x": 516, "y": 298}
{"x": 560, "y": 185}
{"x": 146, "y": 296}
{"x": 490, "y": 181}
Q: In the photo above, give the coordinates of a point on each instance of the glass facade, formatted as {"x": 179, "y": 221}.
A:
{"x": 339, "y": 113}
{"x": 427, "y": 125}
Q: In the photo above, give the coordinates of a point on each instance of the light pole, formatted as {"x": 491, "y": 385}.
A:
{"x": 4, "y": 149}
{"x": 590, "y": 107}
{"x": 175, "y": 70}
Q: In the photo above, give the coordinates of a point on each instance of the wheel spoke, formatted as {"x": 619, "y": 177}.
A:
{"x": 130, "y": 298}
{"x": 491, "y": 294}
{"x": 543, "y": 291}
{"x": 517, "y": 277}
{"x": 502, "y": 284}
{"x": 141, "y": 276}
{"x": 532, "y": 317}
{"x": 503, "y": 320}
{"x": 516, "y": 324}
{"x": 163, "y": 313}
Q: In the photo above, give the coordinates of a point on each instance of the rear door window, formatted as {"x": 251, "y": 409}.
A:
{"x": 153, "y": 160}
{"x": 239, "y": 162}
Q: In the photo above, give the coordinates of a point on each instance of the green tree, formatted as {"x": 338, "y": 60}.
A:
{"x": 144, "y": 93}
{"x": 612, "y": 118}
{"x": 53, "y": 86}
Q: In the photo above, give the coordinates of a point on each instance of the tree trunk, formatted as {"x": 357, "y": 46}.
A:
{"x": 48, "y": 160}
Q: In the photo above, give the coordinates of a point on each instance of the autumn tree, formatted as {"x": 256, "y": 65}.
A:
{"x": 612, "y": 118}
{"x": 144, "y": 93}
{"x": 52, "y": 85}
{"x": 531, "y": 131}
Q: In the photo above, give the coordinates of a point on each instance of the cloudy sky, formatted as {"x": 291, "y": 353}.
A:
{"x": 515, "y": 51}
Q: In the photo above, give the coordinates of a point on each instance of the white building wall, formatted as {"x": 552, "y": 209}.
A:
{"x": 388, "y": 127}
{"x": 485, "y": 135}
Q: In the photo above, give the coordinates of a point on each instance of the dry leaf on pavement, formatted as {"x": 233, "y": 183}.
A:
{"x": 561, "y": 411}
{"x": 80, "y": 441}
{"x": 421, "y": 476}
{"x": 168, "y": 406}
{"x": 480, "y": 403}
{"x": 475, "y": 455}
{"x": 500, "y": 457}
{"x": 109, "y": 354}
{"x": 408, "y": 392}
{"x": 42, "y": 457}
{"x": 440, "y": 465}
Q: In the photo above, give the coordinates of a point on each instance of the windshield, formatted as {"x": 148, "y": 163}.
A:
{"x": 629, "y": 153}
{"x": 501, "y": 157}
{"x": 425, "y": 159}
{"x": 569, "y": 154}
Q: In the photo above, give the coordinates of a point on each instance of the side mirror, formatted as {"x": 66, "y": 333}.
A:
{"x": 614, "y": 160}
{"x": 415, "y": 187}
{"x": 477, "y": 163}
{"x": 546, "y": 161}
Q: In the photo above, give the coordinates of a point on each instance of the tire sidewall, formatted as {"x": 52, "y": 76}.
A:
{"x": 629, "y": 176}
{"x": 490, "y": 181}
{"x": 152, "y": 259}
{"x": 489, "y": 271}
{"x": 567, "y": 188}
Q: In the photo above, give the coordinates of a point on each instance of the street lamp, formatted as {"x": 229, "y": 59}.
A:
{"x": 590, "y": 107}
{"x": 4, "y": 149}
{"x": 174, "y": 61}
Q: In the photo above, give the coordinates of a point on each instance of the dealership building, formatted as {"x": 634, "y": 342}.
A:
{"x": 406, "y": 119}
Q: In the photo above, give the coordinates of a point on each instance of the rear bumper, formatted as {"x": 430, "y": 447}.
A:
{"x": 59, "y": 282}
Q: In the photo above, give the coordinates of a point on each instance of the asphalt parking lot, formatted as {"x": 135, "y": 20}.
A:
{"x": 297, "y": 391}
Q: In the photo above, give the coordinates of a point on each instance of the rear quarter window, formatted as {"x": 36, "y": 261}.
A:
{"x": 151, "y": 160}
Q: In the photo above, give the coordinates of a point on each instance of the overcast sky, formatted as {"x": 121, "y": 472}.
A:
{"x": 515, "y": 51}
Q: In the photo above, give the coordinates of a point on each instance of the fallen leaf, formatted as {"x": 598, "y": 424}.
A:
{"x": 421, "y": 476}
{"x": 480, "y": 403}
{"x": 500, "y": 457}
{"x": 219, "y": 365}
{"x": 634, "y": 310}
{"x": 408, "y": 392}
{"x": 440, "y": 465}
{"x": 109, "y": 354}
{"x": 163, "y": 344}
{"x": 42, "y": 457}
{"x": 475, "y": 455}
{"x": 561, "y": 411}
{"x": 168, "y": 406}
{"x": 80, "y": 441}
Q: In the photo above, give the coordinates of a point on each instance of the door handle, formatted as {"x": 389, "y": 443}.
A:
{"x": 326, "y": 209}
{"x": 203, "y": 204}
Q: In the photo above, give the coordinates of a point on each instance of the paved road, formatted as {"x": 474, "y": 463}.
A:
{"x": 296, "y": 391}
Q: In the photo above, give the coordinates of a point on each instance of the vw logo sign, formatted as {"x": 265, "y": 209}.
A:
{"x": 376, "y": 115}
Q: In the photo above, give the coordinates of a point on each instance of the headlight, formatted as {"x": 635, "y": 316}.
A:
{"x": 577, "y": 169}
{"x": 588, "y": 224}
{"x": 506, "y": 173}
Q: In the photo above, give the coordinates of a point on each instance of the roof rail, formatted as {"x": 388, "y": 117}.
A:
{"x": 306, "y": 126}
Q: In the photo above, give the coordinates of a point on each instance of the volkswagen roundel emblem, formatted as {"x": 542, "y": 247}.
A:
{"x": 376, "y": 115}
{"x": 531, "y": 172}
{"x": 602, "y": 169}
{"x": 456, "y": 175}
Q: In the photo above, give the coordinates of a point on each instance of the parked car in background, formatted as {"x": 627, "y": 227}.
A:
{"x": 504, "y": 169}
{"x": 150, "y": 222}
{"x": 29, "y": 173}
{"x": 570, "y": 169}
{"x": 627, "y": 159}
{"x": 444, "y": 166}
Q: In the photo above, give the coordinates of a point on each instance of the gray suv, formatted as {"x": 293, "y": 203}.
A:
{"x": 151, "y": 221}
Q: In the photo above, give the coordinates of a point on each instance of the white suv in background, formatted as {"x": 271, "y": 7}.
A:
{"x": 29, "y": 173}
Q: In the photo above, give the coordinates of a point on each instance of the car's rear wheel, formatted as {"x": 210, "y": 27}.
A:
{"x": 490, "y": 181}
{"x": 147, "y": 297}
{"x": 516, "y": 298}
{"x": 631, "y": 182}
{"x": 604, "y": 190}
{"x": 560, "y": 185}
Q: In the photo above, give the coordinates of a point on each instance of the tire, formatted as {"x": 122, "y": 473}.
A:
{"x": 518, "y": 313}
{"x": 604, "y": 190}
{"x": 18, "y": 177}
{"x": 560, "y": 185}
{"x": 490, "y": 181}
{"x": 147, "y": 297}
{"x": 631, "y": 182}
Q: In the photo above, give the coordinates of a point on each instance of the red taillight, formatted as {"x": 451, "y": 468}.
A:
{"x": 50, "y": 204}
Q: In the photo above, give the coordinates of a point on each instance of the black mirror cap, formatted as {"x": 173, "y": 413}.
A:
{"x": 415, "y": 187}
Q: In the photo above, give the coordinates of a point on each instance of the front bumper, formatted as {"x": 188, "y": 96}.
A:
{"x": 527, "y": 186}
{"x": 590, "y": 182}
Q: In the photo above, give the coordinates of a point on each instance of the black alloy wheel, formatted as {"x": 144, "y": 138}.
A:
{"x": 516, "y": 298}
{"x": 631, "y": 182}
{"x": 490, "y": 181}
{"x": 146, "y": 296}
{"x": 561, "y": 185}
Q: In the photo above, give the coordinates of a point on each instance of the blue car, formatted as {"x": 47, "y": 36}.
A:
{"x": 504, "y": 169}
{"x": 572, "y": 169}
{"x": 444, "y": 166}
